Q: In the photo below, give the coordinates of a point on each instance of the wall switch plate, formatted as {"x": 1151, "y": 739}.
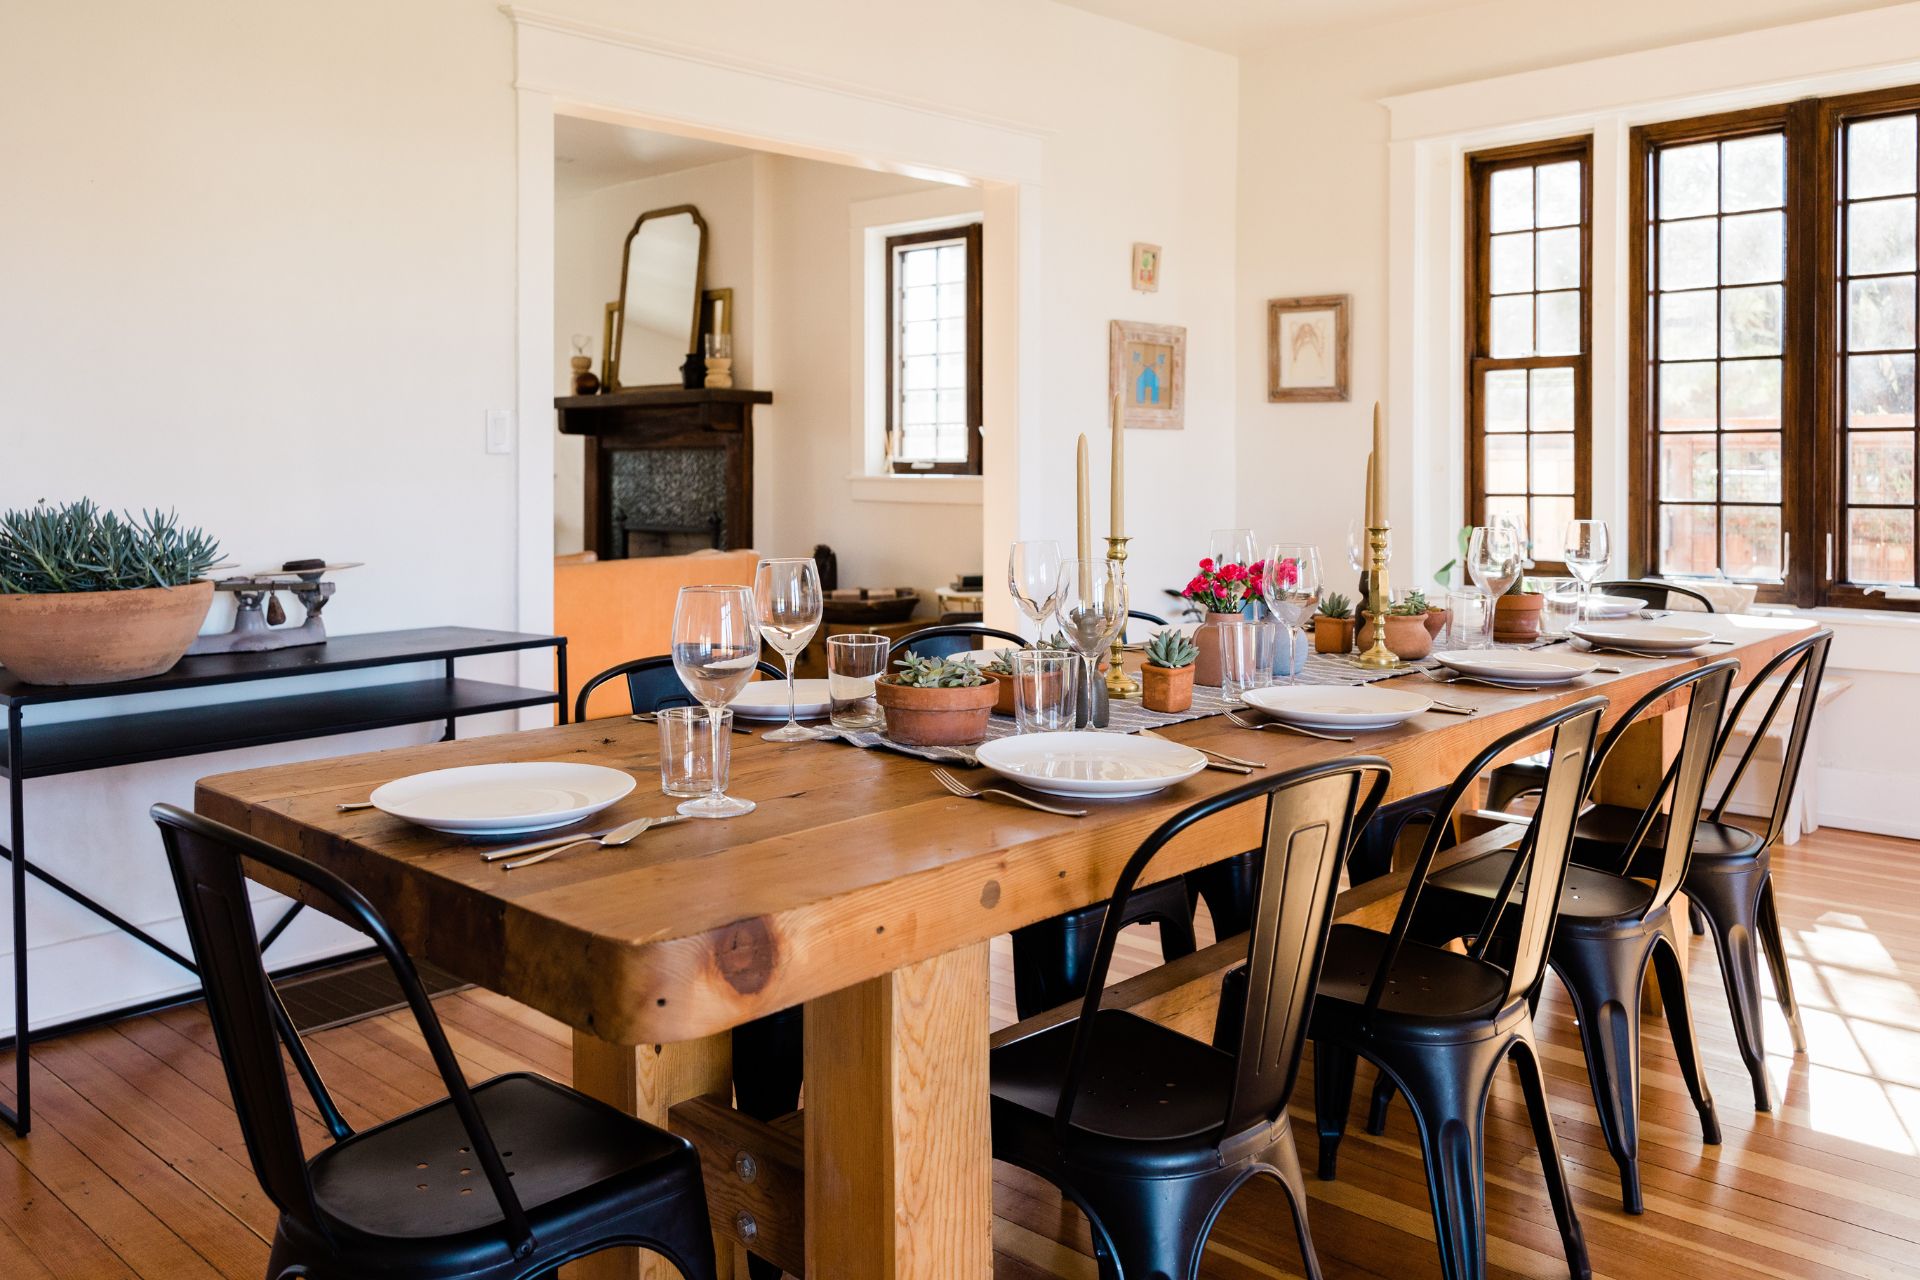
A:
{"x": 499, "y": 431}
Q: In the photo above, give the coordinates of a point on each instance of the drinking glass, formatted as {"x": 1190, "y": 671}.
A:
{"x": 1033, "y": 576}
{"x": 1292, "y": 589}
{"x": 716, "y": 645}
{"x": 1091, "y": 610}
{"x": 1468, "y": 619}
{"x": 787, "y": 595}
{"x": 1589, "y": 548}
{"x": 1043, "y": 700}
{"x": 688, "y": 763}
{"x": 1231, "y": 546}
{"x": 1239, "y": 640}
{"x": 1563, "y": 605}
{"x": 1494, "y": 559}
{"x": 854, "y": 663}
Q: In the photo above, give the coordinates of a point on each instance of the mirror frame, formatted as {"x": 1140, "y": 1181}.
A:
{"x": 613, "y": 382}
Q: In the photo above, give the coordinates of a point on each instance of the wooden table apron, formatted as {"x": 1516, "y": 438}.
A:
{"x": 858, "y": 886}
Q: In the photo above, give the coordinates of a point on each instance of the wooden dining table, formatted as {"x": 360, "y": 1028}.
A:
{"x": 859, "y": 888}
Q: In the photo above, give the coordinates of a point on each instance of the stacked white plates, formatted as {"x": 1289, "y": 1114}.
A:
{"x": 767, "y": 700}
{"x": 1363, "y": 708}
{"x": 1654, "y": 639}
{"x": 503, "y": 799}
{"x": 1079, "y": 763}
{"x": 1519, "y": 668}
{"x": 1599, "y": 606}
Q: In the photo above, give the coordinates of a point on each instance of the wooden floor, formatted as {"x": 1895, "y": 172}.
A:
{"x": 135, "y": 1166}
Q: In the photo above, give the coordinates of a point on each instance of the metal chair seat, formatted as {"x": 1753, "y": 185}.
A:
{"x": 1589, "y": 894}
{"x": 1430, "y": 991}
{"x": 1604, "y": 830}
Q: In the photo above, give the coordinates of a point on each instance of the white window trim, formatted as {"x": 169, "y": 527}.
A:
{"x": 870, "y": 479}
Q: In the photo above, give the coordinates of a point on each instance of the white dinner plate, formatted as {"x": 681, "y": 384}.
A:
{"x": 1599, "y": 606}
{"x": 1079, "y": 763}
{"x": 503, "y": 799}
{"x": 1531, "y": 666}
{"x": 1647, "y": 637}
{"x": 767, "y": 700}
{"x": 1362, "y": 707}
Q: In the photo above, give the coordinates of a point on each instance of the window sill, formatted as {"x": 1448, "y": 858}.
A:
{"x": 1863, "y": 639}
{"x": 959, "y": 491}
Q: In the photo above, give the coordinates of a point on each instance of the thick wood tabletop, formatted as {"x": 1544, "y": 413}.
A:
{"x": 856, "y": 863}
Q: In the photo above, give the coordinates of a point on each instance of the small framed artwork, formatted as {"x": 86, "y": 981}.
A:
{"x": 1307, "y": 348}
{"x": 1147, "y": 369}
{"x": 1146, "y": 267}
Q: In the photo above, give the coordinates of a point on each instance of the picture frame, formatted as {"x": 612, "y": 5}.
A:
{"x": 1146, "y": 267}
{"x": 1308, "y": 352}
{"x": 1147, "y": 369}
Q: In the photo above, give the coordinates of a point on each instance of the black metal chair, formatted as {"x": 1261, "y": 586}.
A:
{"x": 1730, "y": 878}
{"x": 948, "y": 640}
{"x": 1140, "y": 615}
{"x": 1440, "y": 1024}
{"x": 1612, "y": 927}
{"x": 652, "y": 685}
{"x": 1149, "y": 1131}
{"x": 510, "y": 1178}
{"x": 1658, "y": 595}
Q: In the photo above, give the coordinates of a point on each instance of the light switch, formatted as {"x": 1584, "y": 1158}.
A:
{"x": 499, "y": 431}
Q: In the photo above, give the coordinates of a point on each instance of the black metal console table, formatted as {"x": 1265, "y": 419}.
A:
{"x": 130, "y": 737}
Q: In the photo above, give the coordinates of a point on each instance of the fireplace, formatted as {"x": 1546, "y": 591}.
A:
{"x": 667, "y": 471}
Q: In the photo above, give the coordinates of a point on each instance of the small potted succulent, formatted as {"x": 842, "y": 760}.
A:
{"x": 1223, "y": 592}
{"x": 90, "y": 596}
{"x": 1436, "y": 615}
{"x": 936, "y": 702}
{"x": 1000, "y": 671}
{"x": 1516, "y": 615}
{"x": 1166, "y": 681}
{"x": 1407, "y": 636}
{"x": 1333, "y": 625}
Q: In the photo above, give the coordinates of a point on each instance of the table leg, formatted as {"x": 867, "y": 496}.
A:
{"x": 899, "y": 1148}
{"x": 644, "y": 1081}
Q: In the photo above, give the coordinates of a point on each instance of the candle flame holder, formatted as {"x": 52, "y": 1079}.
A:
{"x": 1119, "y": 683}
{"x": 1378, "y": 656}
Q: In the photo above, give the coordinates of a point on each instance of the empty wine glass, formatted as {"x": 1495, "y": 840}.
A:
{"x": 716, "y": 645}
{"x": 1493, "y": 558}
{"x": 1033, "y": 576}
{"x": 1589, "y": 548}
{"x": 1231, "y": 546}
{"x": 786, "y": 597}
{"x": 1092, "y": 609}
{"x": 1291, "y": 586}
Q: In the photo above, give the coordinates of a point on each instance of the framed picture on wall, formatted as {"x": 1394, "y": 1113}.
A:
{"x": 1307, "y": 357}
{"x": 1146, "y": 267}
{"x": 1147, "y": 369}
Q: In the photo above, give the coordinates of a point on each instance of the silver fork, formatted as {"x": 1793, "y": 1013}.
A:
{"x": 1221, "y": 756}
{"x": 612, "y": 840}
{"x": 966, "y": 792}
{"x": 1276, "y": 725}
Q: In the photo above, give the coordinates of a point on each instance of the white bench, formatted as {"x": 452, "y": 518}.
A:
{"x": 1757, "y": 788}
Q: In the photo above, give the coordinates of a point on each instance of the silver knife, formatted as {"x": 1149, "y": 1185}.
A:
{"x": 493, "y": 853}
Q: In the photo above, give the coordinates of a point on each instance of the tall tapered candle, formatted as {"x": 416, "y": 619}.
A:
{"x": 1085, "y": 530}
{"x": 1373, "y": 516}
{"x": 1119, "y": 529}
{"x": 1378, "y": 471}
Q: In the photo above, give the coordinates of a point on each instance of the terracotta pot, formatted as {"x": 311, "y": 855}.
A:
{"x": 1168, "y": 689}
{"x": 1206, "y": 637}
{"x": 936, "y": 717}
{"x": 1437, "y": 621}
{"x": 1332, "y": 635}
{"x": 96, "y": 637}
{"x": 1407, "y": 636}
{"x": 1516, "y": 618}
{"x": 1003, "y": 685}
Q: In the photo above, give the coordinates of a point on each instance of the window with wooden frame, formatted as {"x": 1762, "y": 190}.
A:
{"x": 933, "y": 351}
{"x": 1529, "y": 335}
{"x": 1772, "y": 348}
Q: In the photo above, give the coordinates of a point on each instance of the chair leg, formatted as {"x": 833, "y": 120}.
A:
{"x": 1697, "y": 918}
{"x": 1526, "y": 1061}
{"x": 1378, "y": 1105}
{"x": 1333, "y": 1068}
{"x": 1151, "y": 1228}
{"x": 681, "y": 1232}
{"x": 1447, "y": 1091}
{"x": 1227, "y": 889}
{"x": 767, "y": 1056}
{"x": 1051, "y": 959}
{"x": 1285, "y": 1159}
{"x": 1730, "y": 900}
{"x": 1767, "y": 928}
{"x": 1686, "y": 1044}
{"x": 1603, "y": 976}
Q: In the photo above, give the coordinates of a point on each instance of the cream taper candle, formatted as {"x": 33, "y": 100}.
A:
{"x": 1118, "y": 521}
{"x": 1084, "y": 543}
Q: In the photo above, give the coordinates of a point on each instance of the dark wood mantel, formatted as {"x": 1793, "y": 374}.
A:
{"x": 665, "y": 419}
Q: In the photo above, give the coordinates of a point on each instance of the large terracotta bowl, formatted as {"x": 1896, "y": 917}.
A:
{"x": 936, "y": 717}
{"x": 97, "y": 637}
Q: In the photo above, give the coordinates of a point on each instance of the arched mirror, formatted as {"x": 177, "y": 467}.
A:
{"x": 660, "y": 278}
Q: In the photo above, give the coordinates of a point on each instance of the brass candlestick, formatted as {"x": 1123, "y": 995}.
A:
{"x": 1119, "y": 683}
{"x": 1378, "y": 656}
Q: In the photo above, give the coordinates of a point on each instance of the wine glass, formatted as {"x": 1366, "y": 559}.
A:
{"x": 1033, "y": 576}
{"x": 786, "y": 597}
{"x": 716, "y": 645}
{"x": 1231, "y": 546}
{"x": 1292, "y": 589}
{"x": 1092, "y": 609}
{"x": 1493, "y": 558}
{"x": 1589, "y": 548}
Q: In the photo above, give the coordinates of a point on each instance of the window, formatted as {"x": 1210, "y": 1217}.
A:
{"x": 933, "y": 351}
{"x": 1773, "y": 347}
{"x": 1529, "y": 326}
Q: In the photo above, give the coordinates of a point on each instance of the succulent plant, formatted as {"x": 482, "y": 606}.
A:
{"x": 1335, "y": 605}
{"x": 1171, "y": 649}
{"x": 1002, "y": 664}
{"x": 48, "y": 550}
{"x": 917, "y": 672}
{"x": 1411, "y": 605}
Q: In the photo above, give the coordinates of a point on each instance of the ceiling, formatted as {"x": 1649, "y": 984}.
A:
{"x": 1244, "y": 26}
{"x": 589, "y": 155}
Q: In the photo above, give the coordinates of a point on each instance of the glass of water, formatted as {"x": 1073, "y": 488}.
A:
{"x": 1469, "y": 619}
{"x": 787, "y": 594}
{"x": 1043, "y": 689}
{"x": 1562, "y": 607}
{"x": 716, "y": 646}
{"x": 1239, "y": 640}
{"x": 854, "y": 662}
{"x": 690, "y": 766}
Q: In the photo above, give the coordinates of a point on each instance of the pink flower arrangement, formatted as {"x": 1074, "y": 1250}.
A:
{"x": 1226, "y": 588}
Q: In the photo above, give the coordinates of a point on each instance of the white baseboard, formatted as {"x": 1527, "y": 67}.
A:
{"x": 1880, "y": 803}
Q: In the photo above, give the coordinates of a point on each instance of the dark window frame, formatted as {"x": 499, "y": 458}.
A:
{"x": 1481, "y": 165}
{"x": 969, "y": 233}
